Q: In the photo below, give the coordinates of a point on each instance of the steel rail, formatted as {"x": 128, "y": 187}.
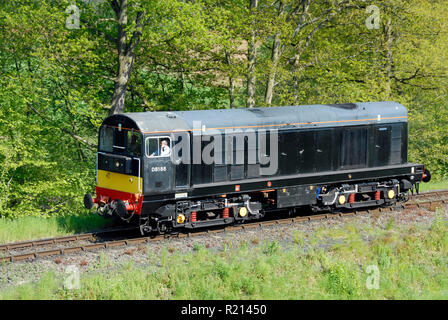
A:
{"x": 63, "y": 239}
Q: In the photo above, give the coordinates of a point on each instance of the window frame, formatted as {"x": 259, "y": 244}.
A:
{"x": 103, "y": 128}
{"x": 132, "y": 132}
{"x": 158, "y": 137}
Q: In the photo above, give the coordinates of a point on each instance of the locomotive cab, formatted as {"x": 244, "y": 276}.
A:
{"x": 119, "y": 182}
{"x": 135, "y": 159}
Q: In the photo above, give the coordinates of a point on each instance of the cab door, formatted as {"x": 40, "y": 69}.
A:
{"x": 158, "y": 165}
{"x": 180, "y": 154}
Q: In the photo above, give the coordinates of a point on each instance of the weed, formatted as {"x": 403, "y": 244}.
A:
{"x": 298, "y": 238}
{"x": 271, "y": 248}
{"x": 197, "y": 246}
{"x": 390, "y": 224}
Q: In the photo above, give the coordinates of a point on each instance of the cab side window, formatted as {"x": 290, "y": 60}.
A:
{"x": 158, "y": 147}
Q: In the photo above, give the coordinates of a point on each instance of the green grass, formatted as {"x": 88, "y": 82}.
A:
{"x": 433, "y": 185}
{"x": 412, "y": 261}
{"x": 29, "y": 227}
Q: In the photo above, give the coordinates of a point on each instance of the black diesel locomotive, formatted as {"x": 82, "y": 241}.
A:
{"x": 190, "y": 169}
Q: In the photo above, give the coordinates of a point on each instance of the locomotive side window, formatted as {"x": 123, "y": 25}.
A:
{"x": 158, "y": 147}
{"x": 134, "y": 143}
{"x": 106, "y": 139}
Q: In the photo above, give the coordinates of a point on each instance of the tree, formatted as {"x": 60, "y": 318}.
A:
{"x": 128, "y": 39}
{"x": 251, "y": 58}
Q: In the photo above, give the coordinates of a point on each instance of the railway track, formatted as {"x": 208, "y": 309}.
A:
{"x": 59, "y": 241}
{"x": 90, "y": 242}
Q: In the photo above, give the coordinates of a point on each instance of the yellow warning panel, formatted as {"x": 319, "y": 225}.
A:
{"x": 119, "y": 182}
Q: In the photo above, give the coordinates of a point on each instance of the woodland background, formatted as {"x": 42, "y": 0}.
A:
{"x": 66, "y": 65}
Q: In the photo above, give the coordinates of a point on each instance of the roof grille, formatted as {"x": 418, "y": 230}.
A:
{"x": 348, "y": 106}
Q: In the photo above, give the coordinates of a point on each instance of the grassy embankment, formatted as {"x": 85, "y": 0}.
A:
{"x": 26, "y": 228}
{"x": 441, "y": 185}
{"x": 411, "y": 258}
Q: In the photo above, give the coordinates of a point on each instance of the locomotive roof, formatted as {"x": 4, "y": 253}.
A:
{"x": 305, "y": 116}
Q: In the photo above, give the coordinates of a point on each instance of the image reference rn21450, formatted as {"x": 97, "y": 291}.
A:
{"x": 167, "y": 171}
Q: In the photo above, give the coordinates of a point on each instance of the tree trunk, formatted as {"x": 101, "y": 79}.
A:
{"x": 252, "y": 52}
{"x": 126, "y": 54}
{"x": 231, "y": 83}
{"x": 275, "y": 55}
{"x": 125, "y": 63}
{"x": 271, "y": 78}
{"x": 231, "y": 93}
{"x": 389, "y": 62}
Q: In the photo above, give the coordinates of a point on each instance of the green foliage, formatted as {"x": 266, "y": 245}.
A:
{"x": 194, "y": 55}
{"x": 340, "y": 281}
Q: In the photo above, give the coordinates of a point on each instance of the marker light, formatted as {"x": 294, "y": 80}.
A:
{"x": 243, "y": 212}
{"x": 391, "y": 194}
{"x": 180, "y": 219}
